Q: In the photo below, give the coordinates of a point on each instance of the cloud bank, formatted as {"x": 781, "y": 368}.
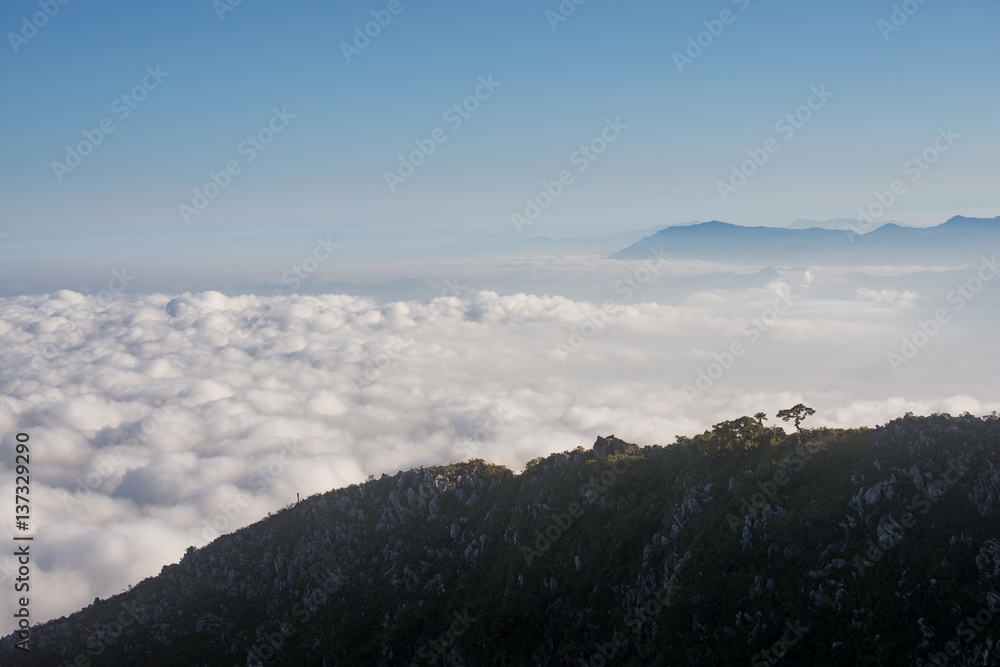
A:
{"x": 160, "y": 421}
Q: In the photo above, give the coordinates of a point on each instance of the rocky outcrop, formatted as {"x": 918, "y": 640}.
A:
{"x": 612, "y": 446}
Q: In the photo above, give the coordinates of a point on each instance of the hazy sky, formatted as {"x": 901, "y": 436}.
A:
{"x": 221, "y": 75}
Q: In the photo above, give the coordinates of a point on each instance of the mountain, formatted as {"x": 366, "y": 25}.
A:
{"x": 742, "y": 544}
{"x": 834, "y": 223}
{"x": 959, "y": 240}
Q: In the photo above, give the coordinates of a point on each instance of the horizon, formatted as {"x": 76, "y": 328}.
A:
{"x": 371, "y": 254}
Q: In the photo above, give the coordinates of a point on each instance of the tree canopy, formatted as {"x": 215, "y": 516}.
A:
{"x": 797, "y": 413}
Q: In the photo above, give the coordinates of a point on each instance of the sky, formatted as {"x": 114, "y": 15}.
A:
{"x": 347, "y": 114}
{"x": 182, "y": 184}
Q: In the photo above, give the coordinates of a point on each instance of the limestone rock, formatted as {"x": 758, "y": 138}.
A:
{"x": 611, "y": 446}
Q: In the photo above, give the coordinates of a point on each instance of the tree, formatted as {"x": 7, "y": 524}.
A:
{"x": 736, "y": 434}
{"x": 761, "y": 417}
{"x": 796, "y": 414}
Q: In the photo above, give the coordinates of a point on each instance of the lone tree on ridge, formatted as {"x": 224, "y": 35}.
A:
{"x": 796, "y": 414}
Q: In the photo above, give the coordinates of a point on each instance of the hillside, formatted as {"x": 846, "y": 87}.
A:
{"x": 740, "y": 545}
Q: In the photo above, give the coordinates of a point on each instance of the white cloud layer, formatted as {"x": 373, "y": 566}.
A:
{"x": 154, "y": 418}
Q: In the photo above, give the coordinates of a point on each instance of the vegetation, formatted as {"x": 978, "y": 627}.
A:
{"x": 739, "y": 545}
{"x": 796, "y": 413}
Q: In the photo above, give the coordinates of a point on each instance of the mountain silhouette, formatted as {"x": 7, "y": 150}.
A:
{"x": 957, "y": 241}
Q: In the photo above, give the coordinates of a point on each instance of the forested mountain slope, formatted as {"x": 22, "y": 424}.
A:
{"x": 743, "y": 545}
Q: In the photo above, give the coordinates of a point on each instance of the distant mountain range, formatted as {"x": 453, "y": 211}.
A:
{"x": 957, "y": 241}
{"x": 806, "y": 243}
{"x": 836, "y": 223}
{"x": 740, "y": 545}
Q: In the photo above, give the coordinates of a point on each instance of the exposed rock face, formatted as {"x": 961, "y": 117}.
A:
{"x": 988, "y": 560}
{"x": 986, "y": 490}
{"x": 610, "y": 446}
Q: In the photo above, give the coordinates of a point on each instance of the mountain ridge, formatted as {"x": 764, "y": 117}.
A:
{"x": 742, "y": 540}
{"x": 956, "y": 240}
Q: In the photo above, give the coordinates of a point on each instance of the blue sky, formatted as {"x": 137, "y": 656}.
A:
{"x": 558, "y": 83}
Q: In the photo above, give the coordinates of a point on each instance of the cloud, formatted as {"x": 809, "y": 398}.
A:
{"x": 907, "y": 299}
{"x": 161, "y": 421}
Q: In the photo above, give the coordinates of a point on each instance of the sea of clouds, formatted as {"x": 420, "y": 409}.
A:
{"x": 158, "y": 421}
